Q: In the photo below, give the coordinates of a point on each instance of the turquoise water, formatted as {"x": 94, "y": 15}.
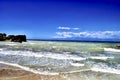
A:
{"x": 72, "y": 60}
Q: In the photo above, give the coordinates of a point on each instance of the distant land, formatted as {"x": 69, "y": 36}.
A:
{"x": 12, "y": 38}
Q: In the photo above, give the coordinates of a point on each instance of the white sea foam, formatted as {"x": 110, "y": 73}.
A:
{"x": 23, "y": 53}
{"x": 30, "y": 42}
{"x": 64, "y": 56}
{"x": 43, "y": 54}
{"x": 105, "y": 69}
{"x": 101, "y": 58}
{"x": 77, "y": 64}
{"x": 11, "y": 44}
{"x": 77, "y": 58}
{"x": 50, "y": 42}
{"x": 28, "y": 69}
{"x": 1, "y": 49}
{"x": 54, "y": 46}
{"x": 111, "y": 50}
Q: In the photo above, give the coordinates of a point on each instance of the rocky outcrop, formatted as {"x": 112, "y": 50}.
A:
{"x": 13, "y": 38}
{"x": 118, "y": 47}
{"x": 2, "y": 36}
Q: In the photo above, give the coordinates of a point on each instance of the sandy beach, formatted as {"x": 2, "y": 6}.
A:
{"x": 14, "y": 73}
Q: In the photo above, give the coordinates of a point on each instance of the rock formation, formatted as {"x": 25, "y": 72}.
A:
{"x": 2, "y": 36}
{"x": 13, "y": 38}
{"x": 118, "y": 47}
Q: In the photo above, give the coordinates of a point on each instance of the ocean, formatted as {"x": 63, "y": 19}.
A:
{"x": 71, "y": 60}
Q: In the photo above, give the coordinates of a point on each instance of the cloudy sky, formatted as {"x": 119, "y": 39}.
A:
{"x": 66, "y": 19}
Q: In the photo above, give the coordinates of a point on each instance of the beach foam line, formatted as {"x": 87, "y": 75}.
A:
{"x": 76, "y": 71}
{"x": 102, "y": 67}
{"x": 28, "y": 69}
{"x": 97, "y": 69}
{"x": 111, "y": 50}
{"x": 107, "y": 70}
{"x": 100, "y": 58}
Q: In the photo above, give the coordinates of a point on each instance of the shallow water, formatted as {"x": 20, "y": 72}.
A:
{"x": 72, "y": 60}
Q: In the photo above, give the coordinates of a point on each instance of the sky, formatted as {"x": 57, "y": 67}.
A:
{"x": 61, "y": 19}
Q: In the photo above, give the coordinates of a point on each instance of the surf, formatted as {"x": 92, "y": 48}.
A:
{"x": 28, "y": 69}
{"x": 77, "y": 64}
{"x": 111, "y": 50}
{"x": 101, "y": 58}
{"x": 42, "y": 54}
{"x": 101, "y": 67}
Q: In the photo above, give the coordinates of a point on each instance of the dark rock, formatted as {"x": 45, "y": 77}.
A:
{"x": 19, "y": 38}
{"x": 118, "y": 46}
{"x": 13, "y": 38}
{"x": 2, "y": 36}
{"x": 10, "y": 37}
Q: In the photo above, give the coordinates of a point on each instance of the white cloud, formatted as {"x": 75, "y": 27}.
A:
{"x": 88, "y": 34}
{"x": 75, "y": 28}
{"x": 64, "y": 28}
{"x": 63, "y": 35}
{"x": 67, "y": 28}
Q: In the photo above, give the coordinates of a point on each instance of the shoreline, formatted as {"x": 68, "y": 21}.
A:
{"x": 13, "y": 73}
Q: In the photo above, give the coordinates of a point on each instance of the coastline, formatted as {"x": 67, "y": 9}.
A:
{"x": 40, "y": 60}
{"x": 14, "y": 73}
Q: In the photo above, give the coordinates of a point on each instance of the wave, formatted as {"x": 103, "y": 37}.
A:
{"x": 51, "y": 55}
{"x": 20, "y": 53}
{"x": 11, "y": 44}
{"x": 111, "y": 50}
{"x": 100, "y": 58}
{"x": 31, "y": 43}
{"x": 77, "y": 64}
{"x": 43, "y": 54}
{"x": 28, "y": 69}
{"x": 1, "y": 49}
{"x": 97, "y": 69}
{"x": 105, "y": 69}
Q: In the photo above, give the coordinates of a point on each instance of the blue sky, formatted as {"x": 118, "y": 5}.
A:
{"x": 46, "y": 19}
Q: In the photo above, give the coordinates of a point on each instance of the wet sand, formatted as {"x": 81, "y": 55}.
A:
{"x": 13, "y": 73}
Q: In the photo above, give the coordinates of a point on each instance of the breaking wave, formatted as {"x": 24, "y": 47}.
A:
{"x": 105, "y": 69}
{"x": 111, "y": 50}
{"x": 77, "y": 64}
{"x": 1, "y": 49}
{"x": 43, "y": 54}
{"x": 101, "y": 58}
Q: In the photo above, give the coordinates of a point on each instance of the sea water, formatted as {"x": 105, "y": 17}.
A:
{"x": 72, "y": 60}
